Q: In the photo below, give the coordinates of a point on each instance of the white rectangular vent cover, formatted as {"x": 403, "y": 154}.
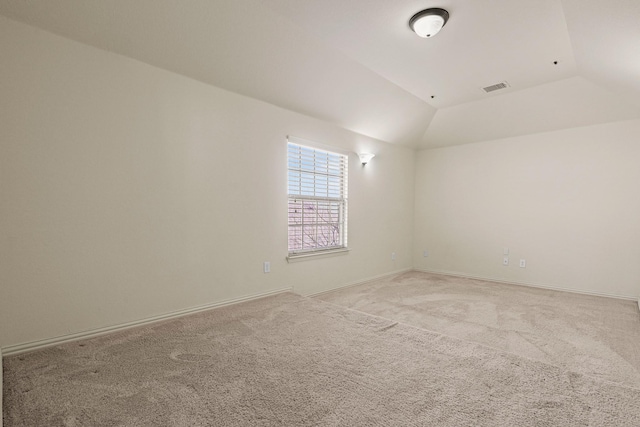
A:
{"x": 497, "y": 86}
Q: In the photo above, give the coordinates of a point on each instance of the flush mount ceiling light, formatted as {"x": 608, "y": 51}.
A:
{"x": 427, "y": 23}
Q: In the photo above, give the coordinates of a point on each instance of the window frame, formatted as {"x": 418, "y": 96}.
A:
{"x": 320, "y": 183}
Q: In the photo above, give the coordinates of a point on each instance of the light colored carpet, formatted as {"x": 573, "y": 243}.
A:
{"x": 592, "y": 335}
{"x": 293, "y": 361}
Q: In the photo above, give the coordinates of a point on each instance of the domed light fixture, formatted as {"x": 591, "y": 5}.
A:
{"x": 427, "y": 23}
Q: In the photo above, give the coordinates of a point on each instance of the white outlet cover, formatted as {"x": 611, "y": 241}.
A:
{"x": 425, "y": 253}
{"x": 523, "y": 263}
{"x": 505, "y": 261}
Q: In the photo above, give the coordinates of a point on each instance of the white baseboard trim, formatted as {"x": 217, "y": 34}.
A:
{"x": 40, "y": 344}
{"x": 529, "y": 284}
{"x": 360, "y": 282}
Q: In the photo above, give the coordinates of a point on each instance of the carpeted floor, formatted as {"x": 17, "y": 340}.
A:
{"x": 596, "y": 336}
{"x": 287, "y": 360}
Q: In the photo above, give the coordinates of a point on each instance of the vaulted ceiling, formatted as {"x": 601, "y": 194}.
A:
{"x": 357, "y": 64}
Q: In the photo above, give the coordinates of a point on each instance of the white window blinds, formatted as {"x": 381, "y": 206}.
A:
{"x": 317, "y": 199}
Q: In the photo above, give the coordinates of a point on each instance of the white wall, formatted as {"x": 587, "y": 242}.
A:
{"x": 567, "y": 201}
{"x": 128, "y": 191}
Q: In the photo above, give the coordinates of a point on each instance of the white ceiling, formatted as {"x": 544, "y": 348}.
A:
{"x": 357, "y": 64}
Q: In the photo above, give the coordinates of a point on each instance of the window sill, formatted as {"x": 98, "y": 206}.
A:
{"x": 318, "y": 254}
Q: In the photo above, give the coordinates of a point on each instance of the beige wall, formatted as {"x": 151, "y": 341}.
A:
{"x": 128, "y": 192}
{"x": 568, "y": 202}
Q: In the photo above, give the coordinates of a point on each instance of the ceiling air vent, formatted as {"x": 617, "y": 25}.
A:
{"x": 497, "y": 86}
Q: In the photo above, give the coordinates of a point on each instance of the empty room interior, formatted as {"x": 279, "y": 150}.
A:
{"x": 320, "y": 213}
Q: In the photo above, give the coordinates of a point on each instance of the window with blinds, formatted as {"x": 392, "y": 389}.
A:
{"x": 317, "y": 199}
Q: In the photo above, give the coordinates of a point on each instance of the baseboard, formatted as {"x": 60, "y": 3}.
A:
{"x": 40, "y": 344}
{"x": 360, "y": 282}
{"x": 529, "y": 284}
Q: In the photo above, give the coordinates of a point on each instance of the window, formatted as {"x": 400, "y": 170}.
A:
{"x": 317, "y": 199}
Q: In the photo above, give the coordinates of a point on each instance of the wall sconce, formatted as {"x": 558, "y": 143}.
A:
{"x": 365, "y": 157}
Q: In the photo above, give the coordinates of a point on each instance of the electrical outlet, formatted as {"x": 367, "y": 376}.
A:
{"x": 425, "y": 253}
{"x": 505, "y": 251}
{"x": 267, "y": 267}
{"x": 505, "y": 261}
{"x": 393, "y": 256}
{"x": 523, "y": 263}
